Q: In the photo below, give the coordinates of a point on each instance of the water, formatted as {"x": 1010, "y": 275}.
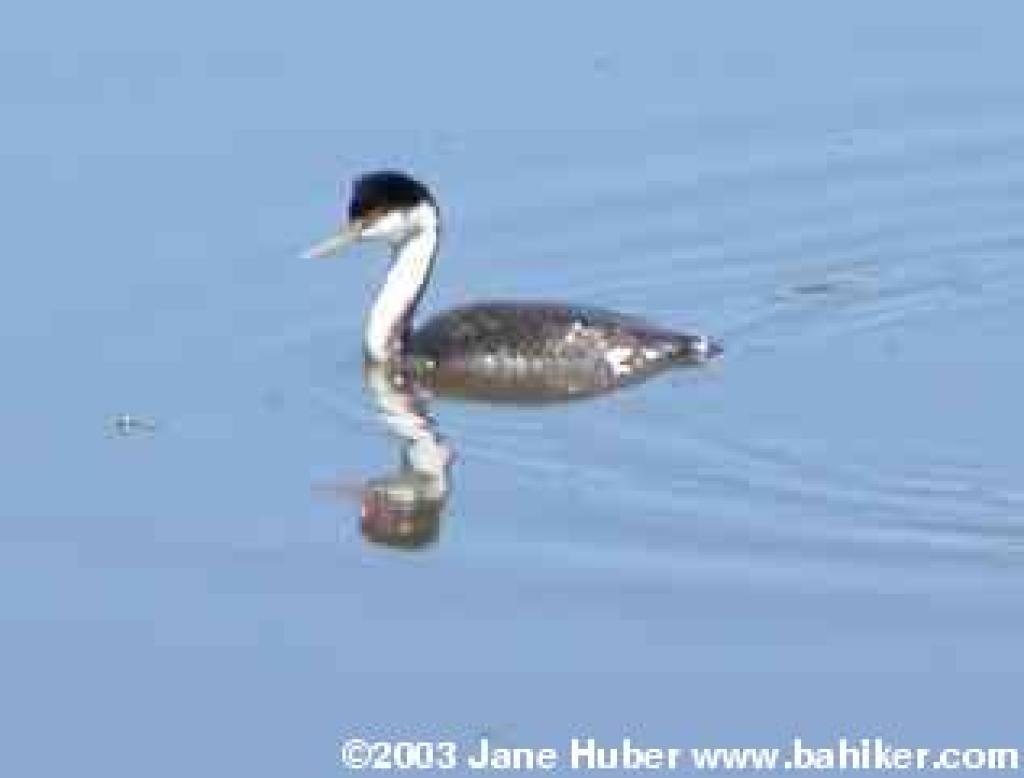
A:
{"x": 819, "y": 536}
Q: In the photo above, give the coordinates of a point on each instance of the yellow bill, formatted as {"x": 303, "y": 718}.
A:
{"x": 344, "y": 237}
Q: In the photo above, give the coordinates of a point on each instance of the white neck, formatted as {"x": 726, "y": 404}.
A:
{"x": 393, "y": 307}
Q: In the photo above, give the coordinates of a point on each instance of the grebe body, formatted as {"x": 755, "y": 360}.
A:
{"x": 502, "y": 350}
{"x": 543, "y": 350}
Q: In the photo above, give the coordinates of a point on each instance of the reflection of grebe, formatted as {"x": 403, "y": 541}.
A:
{"x": 403, "y": 509}
{"x": 498, "y": 350}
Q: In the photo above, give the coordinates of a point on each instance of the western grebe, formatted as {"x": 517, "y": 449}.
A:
{"x": 496, "y": 350}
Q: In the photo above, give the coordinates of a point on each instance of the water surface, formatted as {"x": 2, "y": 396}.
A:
{"x": 820, "y": 535}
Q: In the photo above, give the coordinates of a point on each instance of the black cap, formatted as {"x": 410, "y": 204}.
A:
{"x": 385, "y": 190}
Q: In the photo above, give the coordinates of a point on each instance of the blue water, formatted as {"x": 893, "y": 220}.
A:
{"x": 819, "y": 536}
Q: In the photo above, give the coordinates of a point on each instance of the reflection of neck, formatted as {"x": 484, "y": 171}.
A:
{"x": 396, "y": 301}
{"x": 425, "y": 453}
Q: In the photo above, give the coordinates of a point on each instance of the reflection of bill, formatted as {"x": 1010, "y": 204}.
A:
{"x": 403, "y": 509}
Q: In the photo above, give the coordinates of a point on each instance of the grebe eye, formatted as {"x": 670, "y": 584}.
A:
{"x": 372, "y": 216}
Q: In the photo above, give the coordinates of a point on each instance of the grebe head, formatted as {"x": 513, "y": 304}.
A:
{"x": 399, "y": 210}
{"x": 385, "y": 205}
